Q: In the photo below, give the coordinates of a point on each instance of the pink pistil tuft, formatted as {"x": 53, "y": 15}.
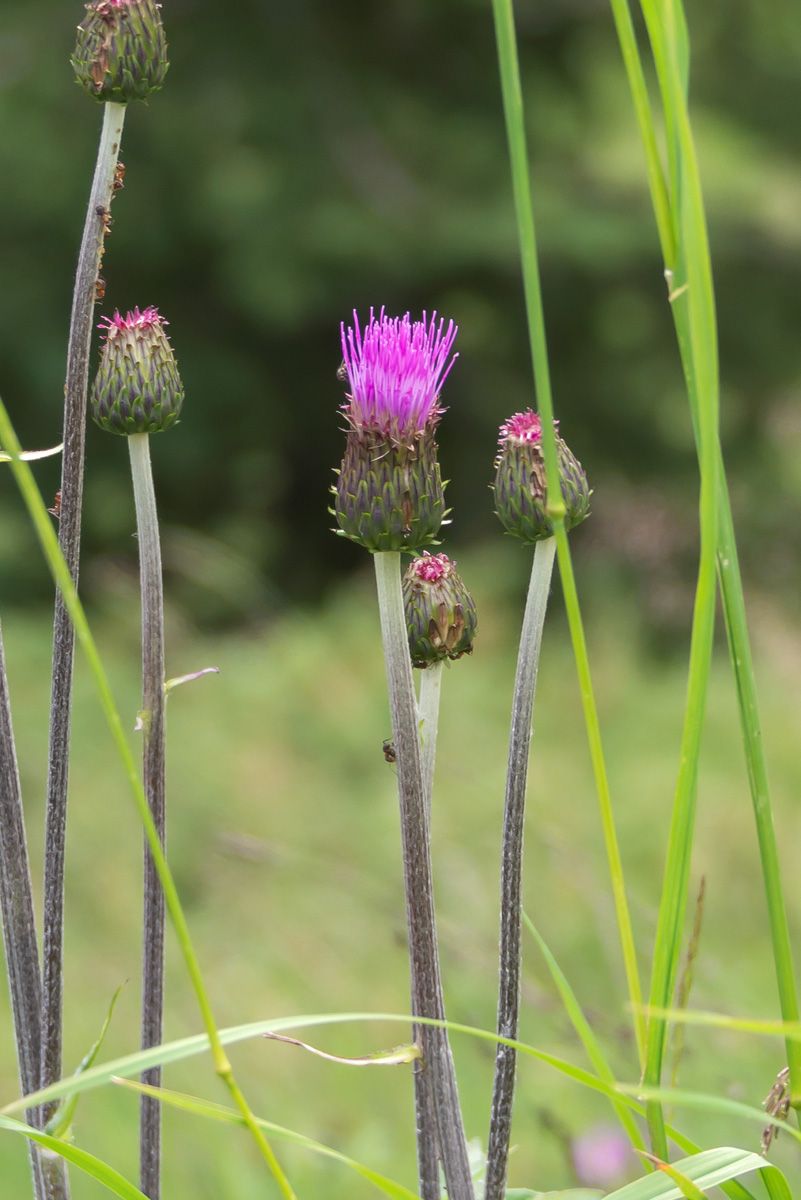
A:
{"x": 523, "y": 428}
{"x": 396, "y": 368}
{"x": 135, "y": 321}
{"x": 432, "y": 567}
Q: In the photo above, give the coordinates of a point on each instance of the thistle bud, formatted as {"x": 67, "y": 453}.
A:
{"x": 520, "y": 493}
{"x": 440, "y": 614}
{"x": 389, "y": 492}
{"x": 137, "y": 388}
{"x": 121, "y": 51}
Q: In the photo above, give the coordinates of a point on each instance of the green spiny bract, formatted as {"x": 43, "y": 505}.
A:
{"x": 520, "y": 493}
{"x": 137, "y": 388}
{"x": 389, "y": 497}
{"x": 441, "y": 618}
{"x": 121, "y": 51}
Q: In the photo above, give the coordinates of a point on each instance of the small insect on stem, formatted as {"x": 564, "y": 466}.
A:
{"x": 389, "y": 751}
{"x": 55, "y": 511}
{"x": 119, "y": 177}
{"x": 100, "y": 289}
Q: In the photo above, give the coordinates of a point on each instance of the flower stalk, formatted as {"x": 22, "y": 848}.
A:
{"x": 153, "y": 724}
{"x": 528, "y": 660}
{"x": 427, "y": 998}
{"x": 428, "y": 717}
{"x": 75, "y": 388}
{"x": 19, "y": 923}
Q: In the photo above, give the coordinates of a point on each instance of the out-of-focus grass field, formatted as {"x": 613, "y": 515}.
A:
{"x": 284, "y": 839}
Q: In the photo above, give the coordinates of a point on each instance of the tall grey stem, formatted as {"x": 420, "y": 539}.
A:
{"x": 512, "y": 866}
{"x": 80, "y": 337}
{"x": 428, "y": 1156}
{"x": 153, "y": 732}
{"x": 426, "y": 984}
{"x": 19, "y": 924}
{"x": 428, "y": 715}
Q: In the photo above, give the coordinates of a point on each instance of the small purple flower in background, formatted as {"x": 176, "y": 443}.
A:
{"x": 395, "y": 370}
{"x": 602, "y": 1157}
{"x": 389, "y": 493}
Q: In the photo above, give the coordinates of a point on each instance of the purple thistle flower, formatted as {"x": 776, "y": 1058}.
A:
{"x": 396, "y": 368}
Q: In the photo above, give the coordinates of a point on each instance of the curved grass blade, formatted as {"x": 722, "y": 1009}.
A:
{"x": 82, "y": 1159}
{"x": 711, "y": 1103}
{"x": 688, "y": 1189}
{"x": 710, "y": 1168}
{"x": 134, "y": 1064}
{"x": 220, "y": 1112}
{"x": 62, "y": 1118}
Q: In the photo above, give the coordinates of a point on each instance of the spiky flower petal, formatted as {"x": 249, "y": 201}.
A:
{"x": 389, "y": 493}
{"x": 440, "y": 614}
{"x": 137, "y": 388}
{"x": 520, "y": 493}
{"x": 121, "y": 51}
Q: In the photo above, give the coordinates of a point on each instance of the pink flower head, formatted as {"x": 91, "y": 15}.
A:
{"x": 432, "y": 567}
{"x": 133, "y": 322}
{"x": 524, "y": 428}
{"x": 396, "y": 368}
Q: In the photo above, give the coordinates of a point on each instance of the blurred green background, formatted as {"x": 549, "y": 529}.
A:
{"x": 304, "y": 159}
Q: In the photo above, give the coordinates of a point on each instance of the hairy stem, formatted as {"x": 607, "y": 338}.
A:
{"x": 80, "y": 336}
{"x": 428, "y": 717}
{"x": 19, "y": 923}
{"x": 59, "y": 569}
{"x": 427, "y": 999}
{"x": 428, "y": 1157}
{"x": 152, "y": 719}
{"x": 528, "y": 661}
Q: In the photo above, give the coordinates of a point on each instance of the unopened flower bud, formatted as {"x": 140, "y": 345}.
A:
{"x": 440, "y": 614}
{"x": 121, "y": 51}
{"x": 137, "y": 388}
{"x": 389, "y": 492}
{"x": 520, "y": 494}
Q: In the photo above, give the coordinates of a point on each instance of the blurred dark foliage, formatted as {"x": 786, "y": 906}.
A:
{"x": 309, "y": 157}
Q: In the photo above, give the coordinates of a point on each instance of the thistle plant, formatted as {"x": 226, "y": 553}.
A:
{"x": 120, "y": 55}
{"x": 441, "y": 623}
{"x": 138, "y": 391}
{"x": 522, "y": 506}
{"x": 389, "y": 498}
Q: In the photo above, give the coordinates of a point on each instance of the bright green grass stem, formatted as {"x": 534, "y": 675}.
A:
{"x": 729, "y": 576}
{"x": 518, "y": 155}
{"x": 37, "y": 511}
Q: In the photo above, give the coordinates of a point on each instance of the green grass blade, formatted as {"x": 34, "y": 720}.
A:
{"x": 82, "y": 1159}
{"x": 586, "y": 1034}
{"x": 219, "y": 1112}
{"x": 518, "y": 157}
{"x": 693, "y": 290}
{"x": 791, "y": 1031}
{"x": 709, "y": 1169}
{"x": 134, "y": 1064}
{"x": 729, "y": 576}
{"x": 709, "y": 1102}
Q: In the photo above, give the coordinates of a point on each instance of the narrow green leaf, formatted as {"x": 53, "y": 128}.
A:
{"x": 710, "y": 1168}
{"x": 59, "y": 1124}
{"x": 82, "y": 1159}
{"x": 710, "y": 1103}
{"x": 689, "y": 1190}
